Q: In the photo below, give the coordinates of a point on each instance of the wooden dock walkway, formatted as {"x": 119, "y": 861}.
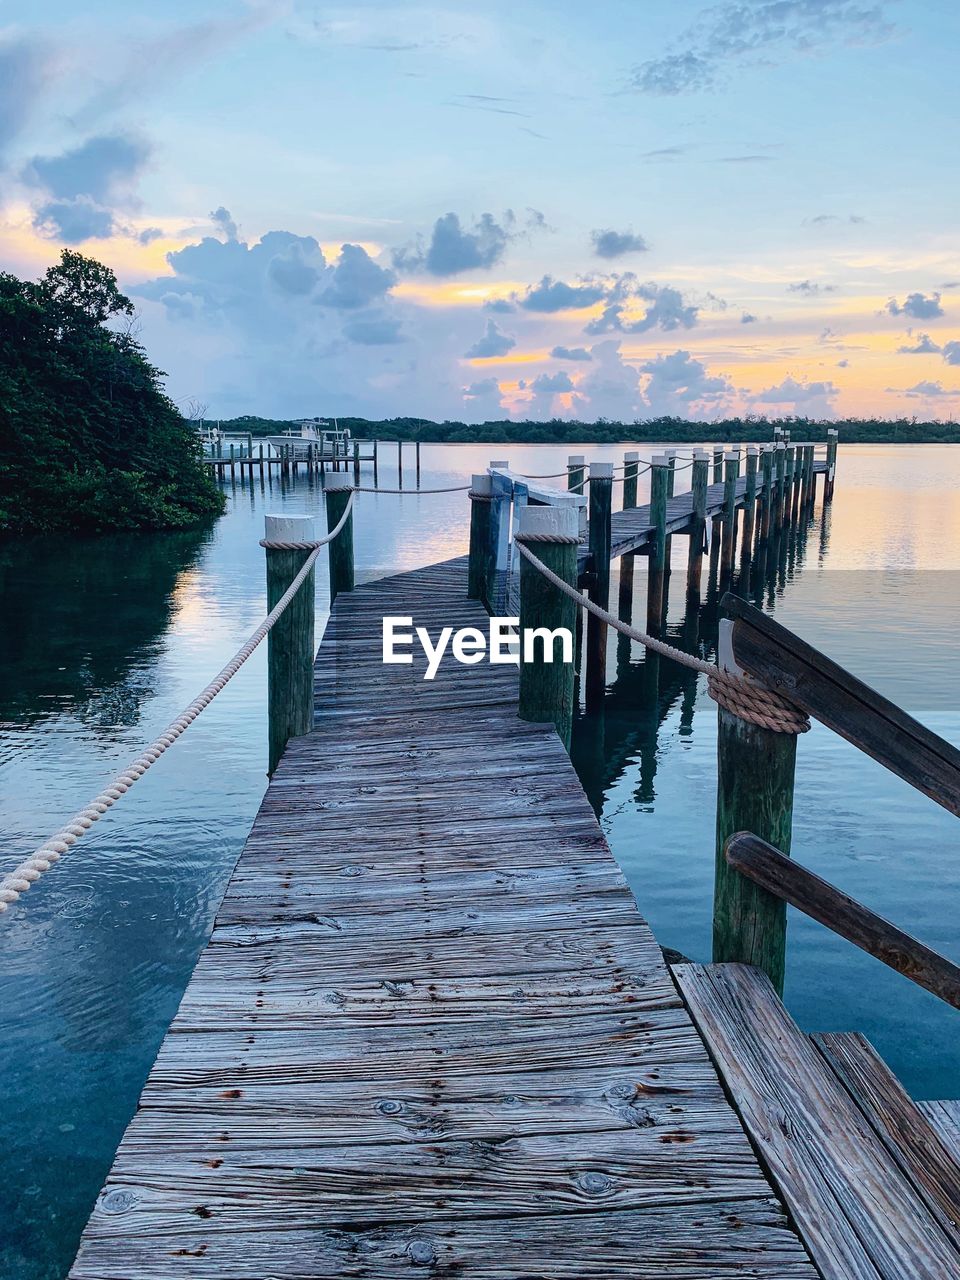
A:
{"x": 633, "y": 529}
{"x": 431, "y": 1033}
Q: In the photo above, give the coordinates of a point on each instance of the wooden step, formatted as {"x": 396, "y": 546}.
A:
{"x": 907, "y": 1134}
{"x": 858, "y": 1213}
{"x": 944, "y": 1115}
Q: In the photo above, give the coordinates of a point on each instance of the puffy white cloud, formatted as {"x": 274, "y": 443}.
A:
{"x": 552, "y": 383}
{"x": 83, "y": 188}
{"x": 571, "y": 353}
{"x": 614, "y": 244}
{"x": 494, "y": 342}
{"x": 917, "y": 305}
{"x": 357, "y": 280}
{"x": 556, "y": 295}
{"x": 922, "y": 346}
{"x": 454, "y": 248}
{"x": 667, "y": 309}
{"x": 814, "y": 399}
{"x": 679, "y": 384}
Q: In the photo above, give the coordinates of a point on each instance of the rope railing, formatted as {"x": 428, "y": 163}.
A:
{"x": 19, "y": 880}
{"x": 745, "y": 698}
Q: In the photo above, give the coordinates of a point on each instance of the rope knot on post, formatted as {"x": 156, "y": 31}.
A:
{"x": 560, "y": 539}
{"x": 476, "y": 496}
{"x": 756, "y": 703}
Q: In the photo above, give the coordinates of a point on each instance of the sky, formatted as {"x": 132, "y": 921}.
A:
{"x": 525, "y": 210}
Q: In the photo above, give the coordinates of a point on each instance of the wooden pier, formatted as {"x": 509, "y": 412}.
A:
{"x": 431, "y": 1033}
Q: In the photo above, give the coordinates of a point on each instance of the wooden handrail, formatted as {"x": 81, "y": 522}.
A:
{"x": 803, "y": 889}
{"x": 771, "y": 653}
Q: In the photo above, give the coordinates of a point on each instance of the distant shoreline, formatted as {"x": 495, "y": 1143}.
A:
{"x": 655, "y": 431}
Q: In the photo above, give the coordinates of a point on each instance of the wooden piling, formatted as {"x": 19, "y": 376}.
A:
{"x": 399, "y": 464}
{"x": 656, "y": 569}
{"x": 755, "y": 781}
{"x": 599, "y": 527}
{"x": 356, "y": 463}
{"x": 631, "y": 471}
{"x": 417, "y": 456}
{"x": 376, "y": 466}
{"x": 833, "y": 442}
{"x": 766, "y": 490}
{"x": 481, "y": 541}
{"x": 749, "y": 504}
{"x": 261, "y": 461}
{"x": 698, "y": 522}
{"x": 731, "y": 476}
{"x": 779, "y": 462}
{"x": 576, "y": 472}
{"x": 547, "y": 672}
{"x": 717, "y": 464}
{"x": 786, "y": 497}
{"x": 290, "y": 643}
{"x": 340, "y": 550}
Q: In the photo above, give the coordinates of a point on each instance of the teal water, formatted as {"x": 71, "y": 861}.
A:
{"x": 103, "y": 642}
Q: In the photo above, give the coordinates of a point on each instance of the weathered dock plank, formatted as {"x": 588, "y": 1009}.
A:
{"x": 431, "y": 1033}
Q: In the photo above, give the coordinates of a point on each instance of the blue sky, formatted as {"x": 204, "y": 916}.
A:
{"x": 612, "y": 210}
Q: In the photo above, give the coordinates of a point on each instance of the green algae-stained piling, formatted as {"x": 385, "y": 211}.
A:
{"x": 599, "y": 535}
{"x": 337, "y": 496}
{"x": 290, "y": 644}
{"x": 729, "y": 540}
{"x": 698, "y": 521}
{"x": 547, "y": 676}
{"x": 481, "y": 538}
{"x": 659, "y": 483}
{"x": 576, "y": 472}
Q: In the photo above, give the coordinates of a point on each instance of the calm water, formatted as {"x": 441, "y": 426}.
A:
{"x": 103, "y": 641}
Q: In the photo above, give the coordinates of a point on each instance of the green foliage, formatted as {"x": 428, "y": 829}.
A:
{"x": 88, "y": 439}
{"x": 666, "y": 430}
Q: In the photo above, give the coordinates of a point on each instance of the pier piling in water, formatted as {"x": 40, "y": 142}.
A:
{"x": 547, "y": 683}
{"x": 656, "y": 568}
{"x": 576, "y": 472}
{"x": 290, "y": 644}
{"x": 599, "y": 516}
{"x": 341, "y": 548}
{"x": 729, "y": 540}
{"x": 698, "y": 522}
{"x": 479, "y": 563}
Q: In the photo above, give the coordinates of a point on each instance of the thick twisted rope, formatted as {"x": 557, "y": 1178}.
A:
{"x": 19, "y": 880}
{"x": 753, "y": 702}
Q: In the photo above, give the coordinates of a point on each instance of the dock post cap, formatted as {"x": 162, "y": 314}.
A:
{"x": 482, "y": 483}
{"x": 601, "y": 470}
{"x": 833, "y": 431}
{"x": 781, "y": 444}
{"x": 336, "y": 484}
{"x": 500, "y": 465}
{"x": 660, "y": 459}
{"x": 576, "y": 460}
{"x": 701, "y": 455}
{"x": 283, "y": 528}
{"x": 548, "y": 521}
{"x": 632, "y": 455}
{"x": 753, "y": 449}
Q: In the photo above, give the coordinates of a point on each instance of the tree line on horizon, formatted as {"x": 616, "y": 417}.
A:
{"x": 605, "y": 431}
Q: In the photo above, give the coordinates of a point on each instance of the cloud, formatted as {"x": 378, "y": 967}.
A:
{"x": 26, "y": 68}
{"x": 552, "y": 383}
{"x": 455, "y": 248}
{"x": 373, "y": 331}
{"x": 666, "y": 310}
{"x": 483, "y": 397}
{"x": 182, "y": 306}
{"x": 748, "y": 318}
{"x": 143, "y": 65}
{"x": 149, "y": 234}
{"x": 951, "y": 352}
{"x": 571, "y": 353}
{"x": 765, "y": 33}
{"x": 926, "y": 391}
{"x": 357, "y": 280}
{"x": 222, "y": 219}
{"x": 297, "y": 268}
{"x": 556, "y": 295}
{"x": 923, "y": 346}
{"x": 677, "y": 381}
{"x": 823, "y": 219}
{"x": 73, "y": 221}
{"x": 917, "y": 305}
{"x": 814, "y": 399}
{"x": 85, "y": 186}
{"x": 614, "y": 244}
{"x": 503, "y": 306}
{"x": 811, "y": 288}
{"x": 493, "y": 343}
